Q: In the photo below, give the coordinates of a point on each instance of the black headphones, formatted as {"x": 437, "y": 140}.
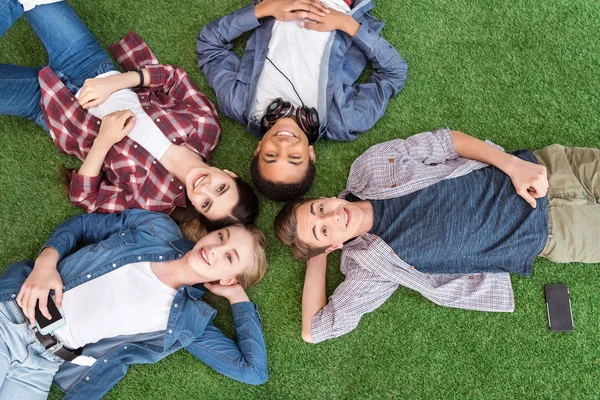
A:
{"x": 306, "y": 118}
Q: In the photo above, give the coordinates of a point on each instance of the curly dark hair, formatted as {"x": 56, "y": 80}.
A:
{"x": 282, "y": 191}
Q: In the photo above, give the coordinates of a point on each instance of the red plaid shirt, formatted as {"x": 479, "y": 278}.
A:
{"x": 134, "y": 179}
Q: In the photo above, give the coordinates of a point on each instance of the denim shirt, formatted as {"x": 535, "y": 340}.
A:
{"x": 115, "y": 240}
{"x": 347, "y": 109}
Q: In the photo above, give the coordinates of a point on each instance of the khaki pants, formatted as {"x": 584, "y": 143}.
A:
{"x": 573, "y": 202}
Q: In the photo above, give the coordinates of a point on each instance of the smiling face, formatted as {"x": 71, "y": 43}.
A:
{"x": 212, "y": 191}
{"x": 330, "y": 222}
{"x": 284, "y": 152}
{"x": 222, "y": 255}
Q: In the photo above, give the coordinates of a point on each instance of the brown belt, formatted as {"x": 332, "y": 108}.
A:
{"x": 55, "y": 347}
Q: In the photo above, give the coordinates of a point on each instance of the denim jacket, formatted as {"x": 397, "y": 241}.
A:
{"x": 347, "y": 109}
{"x": 115, "y": 240}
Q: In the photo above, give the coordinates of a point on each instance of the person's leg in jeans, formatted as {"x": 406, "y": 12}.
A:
{"x": 10, "y": 11}
{"x": 26, "y": 368}
{"x": 73, "y": 53}
{"x": 573, "y": 202}
{"x": 19, "y": 88}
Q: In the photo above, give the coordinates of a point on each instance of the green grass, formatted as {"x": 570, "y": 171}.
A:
{"x": 522, "y": 73}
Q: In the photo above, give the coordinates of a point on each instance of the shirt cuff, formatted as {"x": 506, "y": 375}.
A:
{"x": 365, "y": 39}
{"x": 444, "y": 135}
{"x": 243, "y": 309}
{"x": 83, "y": 184}
{"x": 245, "y": 20}
{"x": 158, "y": 76}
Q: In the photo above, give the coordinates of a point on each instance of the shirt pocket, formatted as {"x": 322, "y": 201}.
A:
{"x": 125, "y": 237}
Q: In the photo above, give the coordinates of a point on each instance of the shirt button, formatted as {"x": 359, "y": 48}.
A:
{"x": 87, "y": 378}
{"x": 114, "y": 265}
{"x": 141, "y": 97}
{"x": 125, "y": 347}
{"x": 170, "y": 331}
{"x": 172, "y": 179}
{"x": 176, "y": 305}
{"x": 390, "y": 159}
{"x": 391, "y": 251}
{"x": 179, "y": 255}
{"x": 393, "y": 186}
{"x": 89, "y": 276}
{"x": 412, "y": 267}
{"x": 364, "y": 236}
{"x": 139, "y": 257}
{"x": 160, "y": 257}
{"x": 122, "y": 234}
{"x": 174, "y": 140}
{"x": 428, "y": 277}
{"x": 180, "y": 187}
{"x": 98, "y": 123}
{"x": 13, "y": 295}
{"x": 105, "y": 360}
{"x": 471, "y": 277}
{"x": 157, "y": 119}
{"x": 154, "y": 162}
{"x": 135, "y": 146}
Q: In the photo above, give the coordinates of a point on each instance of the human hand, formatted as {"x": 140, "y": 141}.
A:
{"x": 95, "y": 91}
{"x": 529, "y": 179}
{"x": 234, "y": 293}
{"x": 38, "y": 284}
{"x": 115, "y": 126}
{"x": 335, "y": 20}
{"x": 288, "y": 10}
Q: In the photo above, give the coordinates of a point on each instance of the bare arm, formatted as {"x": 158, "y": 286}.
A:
{"x": 95, "y": 91}
{"x": 530, "y": 180}
{"x": 313, "y": 295}
{"x": 115, "y": 126}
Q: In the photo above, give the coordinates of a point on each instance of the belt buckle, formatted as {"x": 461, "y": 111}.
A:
{"x": 55, "y": 348}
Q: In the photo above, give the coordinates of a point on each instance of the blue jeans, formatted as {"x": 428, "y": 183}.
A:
{"x": 73, "y": 54}
{"x": 26, "y": 368}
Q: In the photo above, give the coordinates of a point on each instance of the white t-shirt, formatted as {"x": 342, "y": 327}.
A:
{"x": 144, "y": 132}
{"x": 126, "y": 301}
{"x": 298, "y": 53}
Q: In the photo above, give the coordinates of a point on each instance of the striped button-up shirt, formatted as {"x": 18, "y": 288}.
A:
{"x": 373, "y": 271}
{"x": 134, "y": 179}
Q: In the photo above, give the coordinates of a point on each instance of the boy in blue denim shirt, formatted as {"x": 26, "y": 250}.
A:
{"x": 296, "y": 81}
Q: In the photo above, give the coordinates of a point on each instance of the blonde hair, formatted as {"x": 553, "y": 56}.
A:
{"x": 286, "y": 229}
{"x": 252, "y": 275}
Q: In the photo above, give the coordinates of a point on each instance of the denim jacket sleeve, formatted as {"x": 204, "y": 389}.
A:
{"x": 219, "y": 62}
{"x": 365, "y": 103}
{"x": 92, "y": 228}
{"x": 245, "y": 361}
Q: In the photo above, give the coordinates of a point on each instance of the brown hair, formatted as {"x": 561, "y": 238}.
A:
{"x": 192, "y": 223}
{"x": 286, "y": 229}
{"x": 253, "y": 275}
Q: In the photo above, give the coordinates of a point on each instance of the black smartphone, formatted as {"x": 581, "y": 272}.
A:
{"x": 559, "y": 308}
{"x": 46, "y": 325}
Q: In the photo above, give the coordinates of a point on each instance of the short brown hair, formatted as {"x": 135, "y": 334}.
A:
{"x": 254, "y": 274}
{"x": 286, "y": 229}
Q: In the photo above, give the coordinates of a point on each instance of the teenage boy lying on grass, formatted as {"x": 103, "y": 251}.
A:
{"x": 297, "y": 81}
{"x": 447, "y": 215}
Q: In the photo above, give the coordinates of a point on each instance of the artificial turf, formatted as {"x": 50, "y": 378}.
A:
{"x": 522, "y": 73}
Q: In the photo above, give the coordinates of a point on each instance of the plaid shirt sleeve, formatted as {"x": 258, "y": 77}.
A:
{"x": 402, "y": 166}
{"x": 174, "y": 83}
{"x": 95, "y": 194}
{"x": 361, "y": 292}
